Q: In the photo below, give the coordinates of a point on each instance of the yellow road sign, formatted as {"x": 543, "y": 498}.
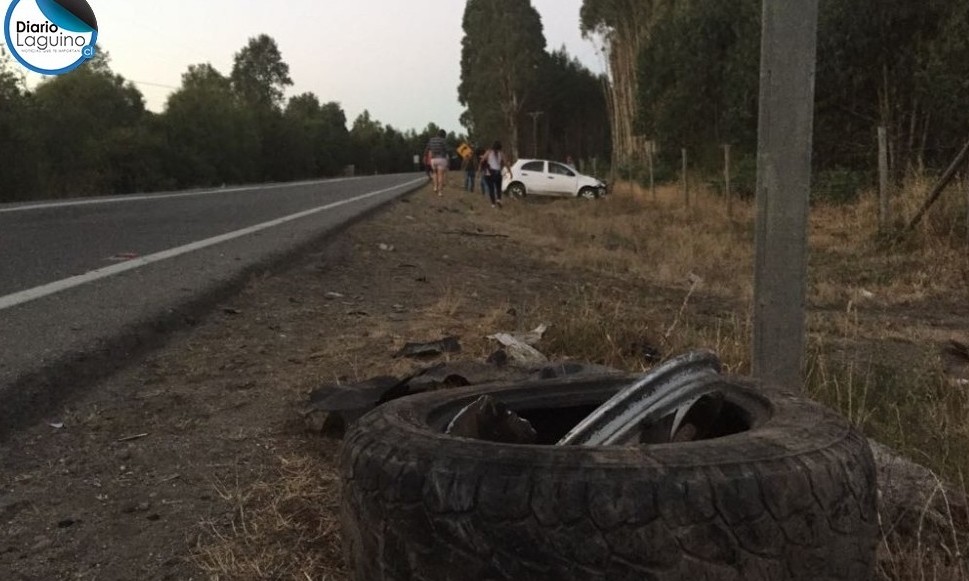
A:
{"x": 465, "y": 151}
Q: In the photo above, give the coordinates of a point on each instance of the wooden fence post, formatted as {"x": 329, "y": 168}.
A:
{"x": 652, "y": 183}
{"x": 726, "y": 179}
{"x": 947, "y": 176}
{"x": 965, "y": 184}
{"x": 785, "y": 126}
{"x": 686, "y": 184}
{"x": 882, "y": 179}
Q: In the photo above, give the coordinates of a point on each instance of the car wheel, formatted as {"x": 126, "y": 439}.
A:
{"x": 789, "y": 494}
{"x": 516, "y": 189}
{"x": 589, "y": 193}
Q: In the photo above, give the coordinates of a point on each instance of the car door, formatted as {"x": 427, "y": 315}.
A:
{"x": 532, "y": 174}
{"x": 562, "y": 179}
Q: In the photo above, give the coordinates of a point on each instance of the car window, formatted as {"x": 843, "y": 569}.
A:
{"x": 534, "y": 166}
{"x": 559, "y": 169}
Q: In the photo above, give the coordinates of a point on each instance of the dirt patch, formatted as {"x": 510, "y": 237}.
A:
{"x": 195, "y": 462}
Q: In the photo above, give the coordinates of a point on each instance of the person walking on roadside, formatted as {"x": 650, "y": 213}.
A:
{"x": 437, "y": 148}
{"x": 470, "y": 172}
{"x": 494, "y": 162}
{"x": 482, "y": 171}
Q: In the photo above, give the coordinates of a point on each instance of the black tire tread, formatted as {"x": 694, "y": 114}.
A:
{"x": 796, "y": 502}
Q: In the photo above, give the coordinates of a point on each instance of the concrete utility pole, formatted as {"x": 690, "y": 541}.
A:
{"x": 787, "y": 65}
{"x": 535, "y": 115}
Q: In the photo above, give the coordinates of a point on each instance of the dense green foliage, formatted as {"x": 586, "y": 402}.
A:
{"x": 683, "y": 74}
{"x": 16, "y": 139}
{"x": 535, "y": 102}
{"x": 903, "y": 65}
{"x": 574, "y": 120}
{"x": 89, "y": 133}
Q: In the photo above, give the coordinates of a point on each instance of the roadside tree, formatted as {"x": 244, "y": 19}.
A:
{"x": 18, "y": 148}
{"x": 259, "y": 78}
{"x": 92, "y": 128}
{"x": 501, "y": 52}
{"x": 212, "y": 137}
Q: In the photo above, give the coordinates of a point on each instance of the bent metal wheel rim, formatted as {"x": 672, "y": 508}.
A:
{"x": 555, "y": 423}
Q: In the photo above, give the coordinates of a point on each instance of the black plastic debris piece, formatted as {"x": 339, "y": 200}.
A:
{"x": 431, "y": 349}
{"x": 499, "y": 358}
{"x": 462, "y": 373}
{"x": 643, "y": 349}
{"x": 335, "y": 398}
{"x": 338, "y": 406}
{"x": 555, "y": 370}
{"x": 436, "y": 380}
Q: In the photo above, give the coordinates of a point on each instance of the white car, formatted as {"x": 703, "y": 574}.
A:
{"x": 551, "y": 178}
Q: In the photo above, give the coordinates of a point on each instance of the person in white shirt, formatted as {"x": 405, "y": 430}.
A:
{"x": 493, "y": 162}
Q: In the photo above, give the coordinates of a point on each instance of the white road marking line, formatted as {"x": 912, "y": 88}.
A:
{"x": 61, "y": 285}
{"x": 138, "y": 197}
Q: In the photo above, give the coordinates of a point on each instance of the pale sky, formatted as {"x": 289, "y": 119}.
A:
{"x": 400, "y": 60}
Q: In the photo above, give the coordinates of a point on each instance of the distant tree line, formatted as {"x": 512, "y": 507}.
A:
{"x": 686, "y": 74}
{"x": 536, "y": 102}
{"x": 89, "y": 133}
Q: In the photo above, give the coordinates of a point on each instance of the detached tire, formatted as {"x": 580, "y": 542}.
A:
{"x": 792, "y": 497}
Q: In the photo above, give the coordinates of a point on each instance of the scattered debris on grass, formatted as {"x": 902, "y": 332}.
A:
{"x": 430, "y": 349}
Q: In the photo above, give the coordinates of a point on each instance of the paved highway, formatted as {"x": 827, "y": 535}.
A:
{"x": 85, "y": 282}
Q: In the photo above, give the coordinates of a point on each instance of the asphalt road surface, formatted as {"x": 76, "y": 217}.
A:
{"x": 84, "y": 283}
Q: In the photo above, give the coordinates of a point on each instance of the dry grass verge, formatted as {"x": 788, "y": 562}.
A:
{"x": 285, "y": 527}
{"x": 627, "y": 279}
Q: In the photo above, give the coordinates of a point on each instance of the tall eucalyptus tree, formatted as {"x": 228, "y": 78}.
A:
{"x": 502, "y": 50}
